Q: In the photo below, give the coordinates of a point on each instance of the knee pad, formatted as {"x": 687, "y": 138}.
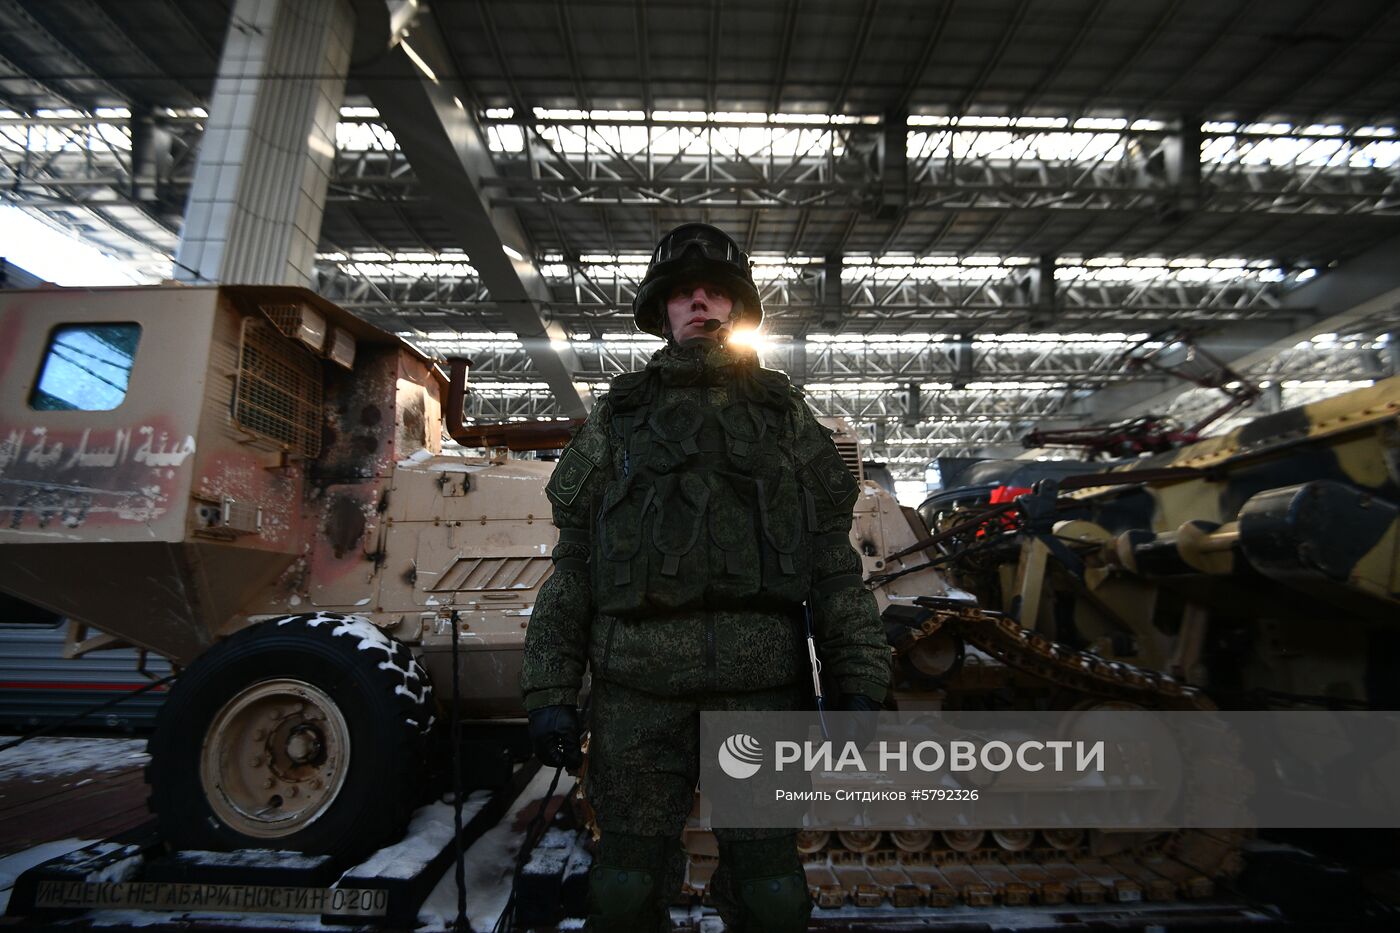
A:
{"x": 776, "y": 904}
{"x": 621, "y": 900}
{"x": 627, "y": 887}
{"x": 760, "y": 886}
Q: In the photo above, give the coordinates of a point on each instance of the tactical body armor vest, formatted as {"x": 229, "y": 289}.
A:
{"x": 704, "y": 509}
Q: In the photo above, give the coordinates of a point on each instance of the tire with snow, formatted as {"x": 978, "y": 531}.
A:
{"x": 304, "y": 733}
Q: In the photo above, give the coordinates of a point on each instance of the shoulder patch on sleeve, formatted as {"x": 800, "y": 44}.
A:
{"x": 816, "y": 453}
{"x": 835, "y": 477}
{"x": 569, "y": 476}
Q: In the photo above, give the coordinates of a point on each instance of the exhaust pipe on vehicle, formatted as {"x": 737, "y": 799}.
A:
{"x": 515, "y": 436}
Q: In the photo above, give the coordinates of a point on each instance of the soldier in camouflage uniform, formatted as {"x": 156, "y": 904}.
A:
{"x": 698, "y": 508}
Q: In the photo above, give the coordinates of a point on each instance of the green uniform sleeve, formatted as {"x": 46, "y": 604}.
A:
{"x": 850, "y": 638}
{"x": 556, "y": 640}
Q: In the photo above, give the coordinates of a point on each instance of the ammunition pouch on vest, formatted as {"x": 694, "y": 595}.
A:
{"x": 708, "y": 512}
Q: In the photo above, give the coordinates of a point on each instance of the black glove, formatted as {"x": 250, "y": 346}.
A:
{"x": 858, "y": 703}
{"x": 554, "y": 735}
{"x": 861, "y": 719}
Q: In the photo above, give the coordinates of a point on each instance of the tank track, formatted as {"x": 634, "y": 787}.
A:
{"x": 1028, "y": 652}
{"x": 907, "y": 869}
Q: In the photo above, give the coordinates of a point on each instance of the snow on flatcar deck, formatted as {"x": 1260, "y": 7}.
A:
{"x": 56, "y": 788}
{"x": 58, "y": 795}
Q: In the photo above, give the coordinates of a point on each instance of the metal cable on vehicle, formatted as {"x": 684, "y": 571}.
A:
{"x": 461, "y": 924}
{"x": 533, "y": 833}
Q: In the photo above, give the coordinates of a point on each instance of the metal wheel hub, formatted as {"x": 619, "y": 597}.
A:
{"x": 304, "y": 744}
{"x": 274, "y": 758}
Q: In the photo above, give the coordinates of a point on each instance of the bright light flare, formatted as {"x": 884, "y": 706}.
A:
{"x": 750, "y": 337}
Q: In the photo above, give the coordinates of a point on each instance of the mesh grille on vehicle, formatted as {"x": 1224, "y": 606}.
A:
{"x": 286, "y": 318}
{"x": 278, "y": 392}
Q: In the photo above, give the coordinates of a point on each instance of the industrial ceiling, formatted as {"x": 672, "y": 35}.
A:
{"x": 963, "y": 214}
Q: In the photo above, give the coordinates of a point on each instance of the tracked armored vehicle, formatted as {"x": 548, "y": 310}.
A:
{"x": 1217, "y": 562}
{"x": 252, "y": 483}
{"x": 1191, "y": 579}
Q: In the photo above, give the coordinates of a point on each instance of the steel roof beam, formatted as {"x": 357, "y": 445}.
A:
{"x": 1008, "y": 32}
{"x": 1017, "y": 371}
{"x": 916, "y": 74}
{"x": 867, "y": 19}
{"x": 775, "y": 98}
{"x": 1303, "y": 23}
{"x": 11, "y": 73}
{"x": 81, "y": 79}
{"x": 566, "y": 31}
{"x": 643, "y": 55}
{"x": 870, "y": 302}
{"x": 420, "y": 103}
{"x": 94, "y": 14}
{"x": 1361, "y": 294}
{"x": 1373, "y": 28}
{"x": 712, "y": 60}
{"x": 1138, "y": 51}
{"x": 493, "y": 38}
{"x": 1049, "y": 187}
{"x": 1063, "y": 59}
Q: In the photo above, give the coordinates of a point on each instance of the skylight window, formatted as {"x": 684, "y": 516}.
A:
{"x": 739, "y": 135}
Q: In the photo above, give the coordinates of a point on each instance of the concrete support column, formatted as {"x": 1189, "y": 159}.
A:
{"x": 254, "y": 213}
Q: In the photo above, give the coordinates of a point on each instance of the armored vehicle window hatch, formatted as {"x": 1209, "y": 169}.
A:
{"x": 86, "y": 367}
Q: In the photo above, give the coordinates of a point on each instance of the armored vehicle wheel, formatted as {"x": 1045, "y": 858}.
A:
{"x": 304, "y": 733}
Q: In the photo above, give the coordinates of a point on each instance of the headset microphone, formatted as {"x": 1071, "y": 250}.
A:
{"x": 713, "y": 324}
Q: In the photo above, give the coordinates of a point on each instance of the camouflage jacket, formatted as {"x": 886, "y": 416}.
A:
{"x": 698, "y": 507}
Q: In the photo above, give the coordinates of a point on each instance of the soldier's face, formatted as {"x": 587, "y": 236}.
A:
{"x": 691, "y": 304}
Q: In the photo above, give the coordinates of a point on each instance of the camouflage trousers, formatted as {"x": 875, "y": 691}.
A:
{"x": 643, "y": 765}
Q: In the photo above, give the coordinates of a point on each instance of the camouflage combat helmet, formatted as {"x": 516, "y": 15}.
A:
{"x": 695, "y": 251}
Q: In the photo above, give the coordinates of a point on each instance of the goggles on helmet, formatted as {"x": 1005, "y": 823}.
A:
{"x": 689, "y": 251}
{"x": 706, "y": 240}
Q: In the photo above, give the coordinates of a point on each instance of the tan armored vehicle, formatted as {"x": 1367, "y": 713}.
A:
{"x": 251, "y": 482}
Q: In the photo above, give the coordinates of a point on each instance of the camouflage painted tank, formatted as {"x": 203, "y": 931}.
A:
{"x": 1219, "y": 562}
